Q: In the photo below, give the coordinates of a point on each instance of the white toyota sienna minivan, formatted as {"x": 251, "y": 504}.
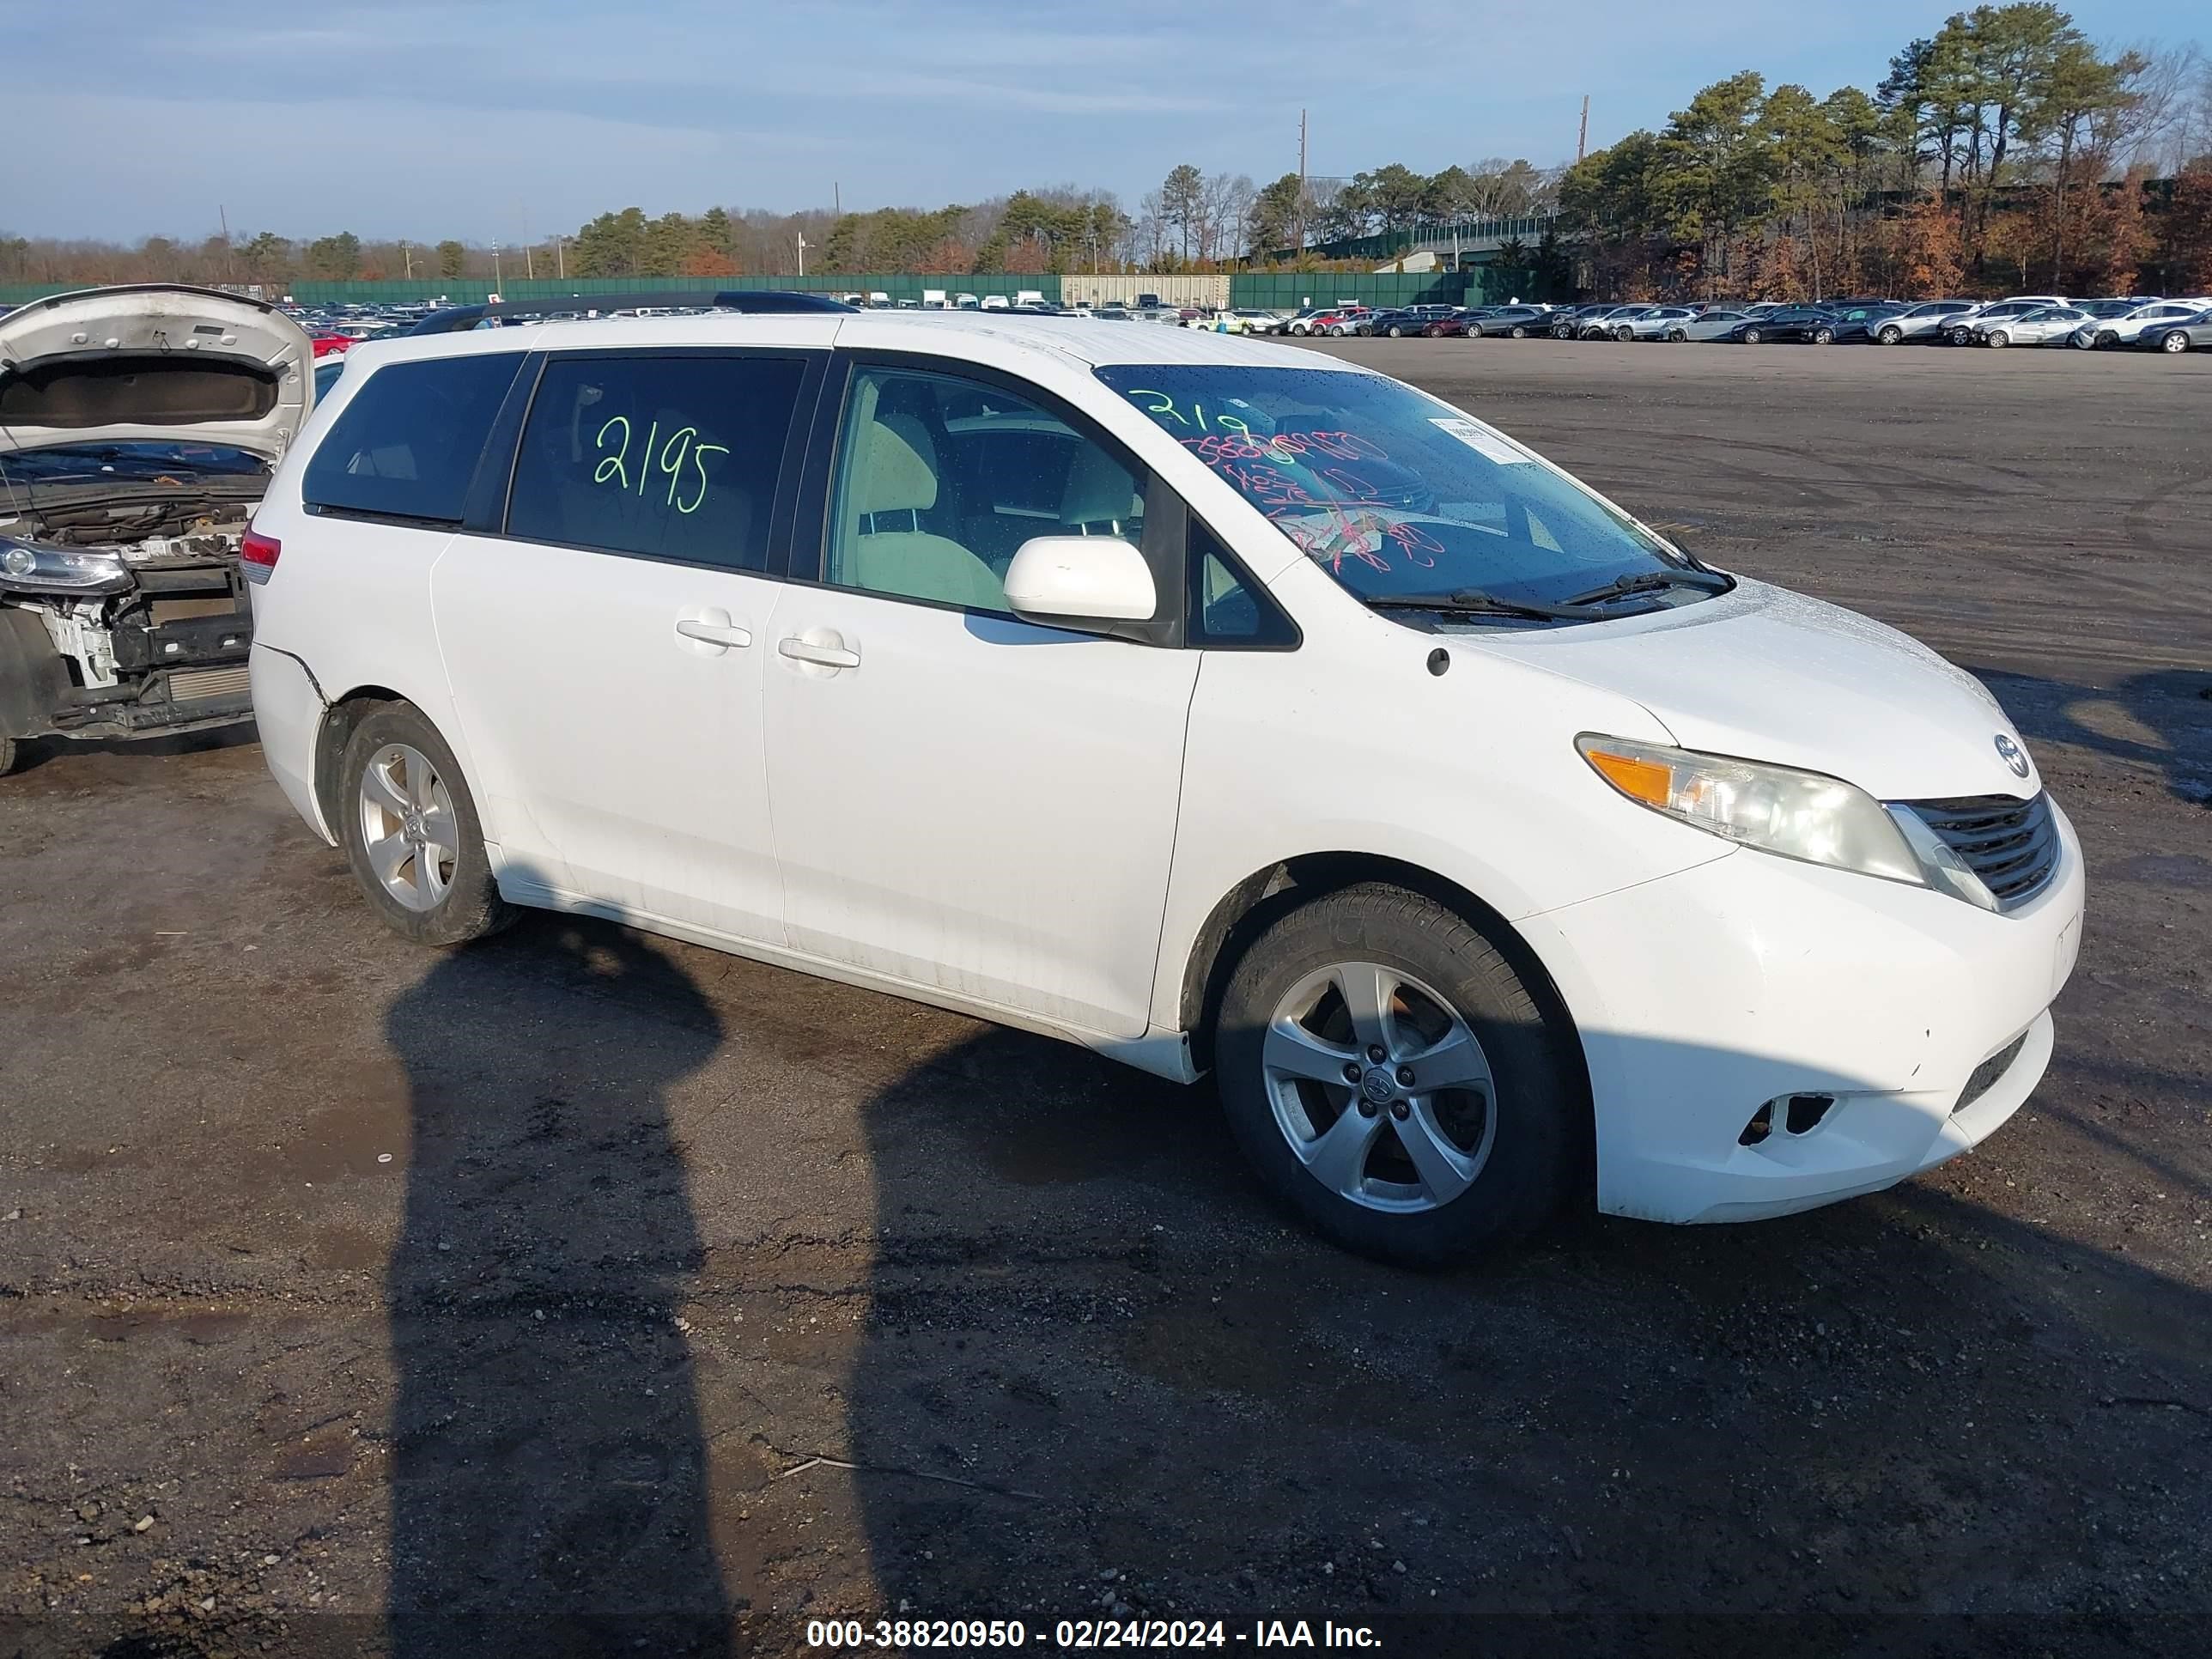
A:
{"x": 1217, "y": 706}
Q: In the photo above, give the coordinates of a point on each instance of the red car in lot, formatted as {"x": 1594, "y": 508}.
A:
{"x": 329, "y": 345}
{"x": 1348, "y": 320}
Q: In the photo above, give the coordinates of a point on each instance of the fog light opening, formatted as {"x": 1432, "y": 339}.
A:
{"x": 1806, "y": 1111}
{"x": 1760, "y": 1127}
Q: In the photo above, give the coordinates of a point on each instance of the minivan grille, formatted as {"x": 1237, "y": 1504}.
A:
{"x": 2011, "y": 844}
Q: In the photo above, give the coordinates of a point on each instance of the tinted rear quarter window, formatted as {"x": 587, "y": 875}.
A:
{"x": 408, "y": 444}
{"x": 663, "y": 454}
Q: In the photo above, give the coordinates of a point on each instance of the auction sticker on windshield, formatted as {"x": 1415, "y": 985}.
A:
{"x": 1484, "y": 444}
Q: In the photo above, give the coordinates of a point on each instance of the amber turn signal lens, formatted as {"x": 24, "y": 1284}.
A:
{"x": 1649, "y": 782}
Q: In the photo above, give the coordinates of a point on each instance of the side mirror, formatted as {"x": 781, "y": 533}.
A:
{"x": 1068, "y": 580}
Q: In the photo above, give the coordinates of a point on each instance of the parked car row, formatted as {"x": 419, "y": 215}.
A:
{"x": 2151, "y": 323}
{"x": 2025, "y": 319}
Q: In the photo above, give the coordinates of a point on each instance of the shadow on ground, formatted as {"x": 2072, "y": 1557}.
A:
{"x": 2161, "y": 718}
{"x": 548, "y": 1469}
{"x": 1097, "y": 1376}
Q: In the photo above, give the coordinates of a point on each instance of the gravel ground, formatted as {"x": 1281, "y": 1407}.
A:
{"x": 583, "y": 1293}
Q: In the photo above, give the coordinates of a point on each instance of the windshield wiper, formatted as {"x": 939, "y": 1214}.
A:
{"x": 1473, "y": 602}
{"x": 1652, "y": 581}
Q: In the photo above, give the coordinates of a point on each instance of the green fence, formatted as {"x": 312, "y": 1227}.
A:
{"x": 466, "y": 290}
{"x": 1484, "y": 285}
{"x": 1276, "y": 290}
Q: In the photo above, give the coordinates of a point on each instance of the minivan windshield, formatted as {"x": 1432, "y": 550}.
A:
{"x": 1400, "y": 496}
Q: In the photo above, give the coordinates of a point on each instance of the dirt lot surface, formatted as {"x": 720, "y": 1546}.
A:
{"x": 581, "y": 1292}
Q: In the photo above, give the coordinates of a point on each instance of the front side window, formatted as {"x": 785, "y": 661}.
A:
{"x": 408, "y": 444}
{"x": 657, "y": 453}
{"x": 941, "y": 479}
{"x": 1394, "y": 494}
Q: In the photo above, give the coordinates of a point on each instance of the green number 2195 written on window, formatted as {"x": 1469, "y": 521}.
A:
{"x": 668, "y": 460}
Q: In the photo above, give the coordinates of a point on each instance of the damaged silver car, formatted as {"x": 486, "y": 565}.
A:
{"x": 138, "y": 428}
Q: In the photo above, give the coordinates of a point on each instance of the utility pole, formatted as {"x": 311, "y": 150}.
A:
{"x": 1582, "y": 138}
{"x": 495, "y": 266}
{"x": 407, "y": 259}
{"x": 228, "y": 270}
{"x": 528, "y": 263}
{"x": 837, "y": 198}
{"x": 802, "y": 254}
{"x": 1302, "y": 181}
{"x": 561, "y": 258}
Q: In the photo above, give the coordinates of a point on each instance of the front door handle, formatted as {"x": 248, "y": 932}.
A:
{"x": 710, "y": 633}
{"x": 822, "y": 656}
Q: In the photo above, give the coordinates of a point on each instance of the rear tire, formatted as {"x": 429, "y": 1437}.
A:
{"x": 7, "y": 755}
{"x": 1420, "y": 1177}
{"x": 411, "y": 832}
{"x": 1519, "y": 332}
{"x": 1824, "y": 337}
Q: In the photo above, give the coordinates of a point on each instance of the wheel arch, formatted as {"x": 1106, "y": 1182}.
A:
{"x": 336, "y": 731}
{"x": 1250, "y": 907}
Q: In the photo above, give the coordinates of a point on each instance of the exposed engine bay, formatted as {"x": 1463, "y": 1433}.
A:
{"x": 138, "y": 430}
{"x": 168, "y": 600}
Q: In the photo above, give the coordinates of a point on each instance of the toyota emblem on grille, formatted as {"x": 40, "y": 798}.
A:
{"x": 2012, "y": 754}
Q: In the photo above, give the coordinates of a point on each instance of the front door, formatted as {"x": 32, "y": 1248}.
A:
{"x": 963, "y": 801}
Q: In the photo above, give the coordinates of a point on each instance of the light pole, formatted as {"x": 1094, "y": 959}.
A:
{"x": 802, "y": 254}
{"x": 407, "y": 258}
{"x": 495, "y": 265}
{"x": 561, "y": 258}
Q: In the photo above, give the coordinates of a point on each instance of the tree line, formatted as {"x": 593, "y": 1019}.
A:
{"x": 2004, "y": 152}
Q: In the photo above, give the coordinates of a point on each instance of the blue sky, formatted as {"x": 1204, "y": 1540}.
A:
{"x": 482, "y": 118}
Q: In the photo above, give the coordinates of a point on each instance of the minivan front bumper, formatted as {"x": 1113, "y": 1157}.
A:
{"x": 1703, "y": 996}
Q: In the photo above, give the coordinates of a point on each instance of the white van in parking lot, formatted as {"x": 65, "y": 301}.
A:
{"x": 1212, "y": 704}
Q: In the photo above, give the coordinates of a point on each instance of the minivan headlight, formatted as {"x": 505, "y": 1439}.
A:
{"x": 35, "y": 568}
{"x": 1777, "y": 809}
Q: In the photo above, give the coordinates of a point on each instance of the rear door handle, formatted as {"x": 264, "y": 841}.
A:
{"x": 823, "y": 656}
{"x": 708, "y": 632}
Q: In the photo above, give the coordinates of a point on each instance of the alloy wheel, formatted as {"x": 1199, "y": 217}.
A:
{"x": 407, "y": 827}
{"x": 1380, "y": 1087}
{"x": 2176, "y": 341}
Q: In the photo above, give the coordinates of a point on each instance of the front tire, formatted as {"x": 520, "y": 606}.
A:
{"x": 1997, "y": 339}
{"x": 1750, "y": 336}
{"x": 1824, "y": 337}
{"x": 1462, "y": 1136}
{"x": 2176, "y": 341}
{"x": 1891, "y": 335}
{"x": 1396, "y": 332}
{"x": 411, "y": 832}
{"x": 7, "y": 755}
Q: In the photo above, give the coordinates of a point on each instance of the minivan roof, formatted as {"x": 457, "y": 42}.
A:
{"x": 1076, "y": 340}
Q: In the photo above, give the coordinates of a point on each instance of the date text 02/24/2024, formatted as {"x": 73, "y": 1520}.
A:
{"x": 1084, "y": 1634}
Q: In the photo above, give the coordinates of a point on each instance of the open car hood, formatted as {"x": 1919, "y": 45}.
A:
{"x": 154, "y": 362}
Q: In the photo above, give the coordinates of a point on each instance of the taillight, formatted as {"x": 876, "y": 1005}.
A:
{"x": 256, "y": 555}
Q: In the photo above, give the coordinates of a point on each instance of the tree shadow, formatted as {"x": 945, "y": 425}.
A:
{"x": 548, "y": 1472}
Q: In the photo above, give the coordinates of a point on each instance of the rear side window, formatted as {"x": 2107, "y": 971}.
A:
{"x": 408, "y": 444}
{"x": 671, "y": 456}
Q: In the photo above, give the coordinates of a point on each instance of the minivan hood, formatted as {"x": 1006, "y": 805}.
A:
{"x": 153, "y": 363}
{"x": 1764, "y": 674}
